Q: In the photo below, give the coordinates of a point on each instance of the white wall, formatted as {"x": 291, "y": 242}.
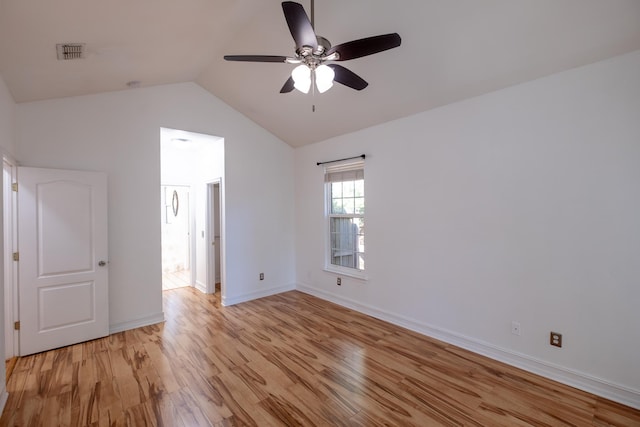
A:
{"x": 119, "y": 133}
{"x": 522, "y": 205}
{"x": 7, "y": 120}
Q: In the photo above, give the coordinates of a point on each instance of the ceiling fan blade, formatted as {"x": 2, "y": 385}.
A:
{"x": 288, "y": 85}
{"x": 256, "y": 58}
{"x": 348, "y": 77}
{"x": 299, "y": 25}
{"x": 367, "y": 46}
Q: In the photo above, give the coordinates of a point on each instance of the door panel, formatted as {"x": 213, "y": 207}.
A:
{"x": 64, "y": 228}
{"x": 62, "y": 232}
{"x": 80, "y": 296}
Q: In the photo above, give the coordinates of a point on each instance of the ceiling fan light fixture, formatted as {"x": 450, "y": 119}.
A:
{"x": 301, "y": 76}
{"x": 324, "y": 78}
{"x": 312, "y": 51}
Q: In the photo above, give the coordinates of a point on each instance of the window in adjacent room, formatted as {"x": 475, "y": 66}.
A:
{"x": 344, "y": 190}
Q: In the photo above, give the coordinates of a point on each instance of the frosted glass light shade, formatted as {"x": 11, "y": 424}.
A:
{"x": 324, "y": 78}
{"x": 301, "y": 76}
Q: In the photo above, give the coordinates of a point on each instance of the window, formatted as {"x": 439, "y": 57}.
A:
{"x": 344, "y": 188}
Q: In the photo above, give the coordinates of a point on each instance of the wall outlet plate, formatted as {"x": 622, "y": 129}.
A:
{"x": 261, "y": 276}
{"x": 339, "y": 281}
{"x": 555, "y": 339}
{"x": 515, "y": 327}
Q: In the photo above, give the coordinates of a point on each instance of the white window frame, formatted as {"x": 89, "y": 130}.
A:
{"x": 328, "y": 266}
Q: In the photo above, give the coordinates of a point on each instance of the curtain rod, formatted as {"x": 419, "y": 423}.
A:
{"x": 361, "y": 156}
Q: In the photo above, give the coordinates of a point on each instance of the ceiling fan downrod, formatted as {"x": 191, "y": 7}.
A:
{"x": 313, "y": 12}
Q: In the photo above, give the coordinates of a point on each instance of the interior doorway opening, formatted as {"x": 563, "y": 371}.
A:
{"x": 176, "y": 237}
{"x": 192, "y": 167}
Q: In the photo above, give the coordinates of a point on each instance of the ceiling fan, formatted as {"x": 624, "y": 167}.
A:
{"x": 312, "y": 51}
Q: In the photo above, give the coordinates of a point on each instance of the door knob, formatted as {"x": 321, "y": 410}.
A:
{"x": 102, "y": 263}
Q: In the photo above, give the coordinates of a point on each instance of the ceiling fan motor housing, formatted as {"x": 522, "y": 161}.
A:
{"x": 313, "y": 58}
{"x": 323, "y": 45}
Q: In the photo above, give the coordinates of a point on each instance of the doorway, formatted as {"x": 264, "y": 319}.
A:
{"x": 176, "y": 237}
{"x": 192, "y": 167}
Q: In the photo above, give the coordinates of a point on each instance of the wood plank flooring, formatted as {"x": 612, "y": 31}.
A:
{"x": 176, "y": 279}
{"x": 285, "y": 360}
{"x": 9, "y": 364}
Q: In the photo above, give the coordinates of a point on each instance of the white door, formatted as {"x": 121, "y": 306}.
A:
{"x": 62, "y": 273}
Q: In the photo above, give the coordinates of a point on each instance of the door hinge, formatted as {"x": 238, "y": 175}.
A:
{"x": 16, "y": 256}
{"x": 14, "y": 186}
{"x": 16, "y": 325}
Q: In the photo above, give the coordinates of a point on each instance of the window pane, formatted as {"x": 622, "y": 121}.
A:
{"x": 335, "y": 239}
{"x": 348, "y": 188}
{"x": 347, "y": 242}
{"x": 359, "y": 188}
{"x": 336, "y": 190}
{"x": 348, "y": 206}
{"x": 359, "y": 205}
{"x": 336, "y": 206}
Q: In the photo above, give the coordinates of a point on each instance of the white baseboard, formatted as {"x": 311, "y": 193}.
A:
{"x": 579, "y": 380}
{"x": 227, "y": 301}
{"x": 201, "y": 287}
{"x": 137, "y": 323}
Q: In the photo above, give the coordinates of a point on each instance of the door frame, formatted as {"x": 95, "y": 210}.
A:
{"x": 210, "y": 232}
{"x": 10, "y": 243}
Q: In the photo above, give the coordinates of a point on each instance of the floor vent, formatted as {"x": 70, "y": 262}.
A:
{"x": 69, "y": 51}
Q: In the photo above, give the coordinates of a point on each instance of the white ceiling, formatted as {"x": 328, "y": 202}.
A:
{"x": 451, "y": 50}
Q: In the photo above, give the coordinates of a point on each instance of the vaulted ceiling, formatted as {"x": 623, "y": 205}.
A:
{"x": 451, "y": 50}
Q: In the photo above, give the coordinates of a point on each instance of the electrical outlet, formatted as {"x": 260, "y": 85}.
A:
{"x": 555, "y": 339}
{"x": 515, "y": 327}
{"x": 261, "y": 276}
{"x": 339, "y": 281}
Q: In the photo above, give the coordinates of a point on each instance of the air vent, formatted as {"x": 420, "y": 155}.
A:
{"x": 69, "y": 51}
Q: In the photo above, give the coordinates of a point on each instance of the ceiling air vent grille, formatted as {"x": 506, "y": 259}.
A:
{"x": 69, "y": 51}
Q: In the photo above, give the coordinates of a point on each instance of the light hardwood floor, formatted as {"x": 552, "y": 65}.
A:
{"x": 291, "y": 360}
{"x": 176, "y": 279}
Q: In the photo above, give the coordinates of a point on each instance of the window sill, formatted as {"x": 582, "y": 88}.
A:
{"x": 348, "y": 273}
